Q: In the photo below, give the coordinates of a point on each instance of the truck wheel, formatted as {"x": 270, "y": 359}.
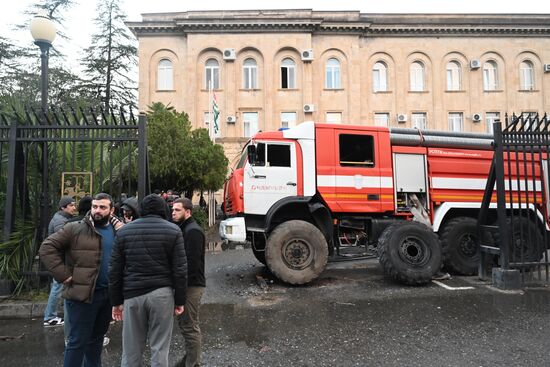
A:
{"x": 460, "y": 244}
{"x": 296, "y": 252}
{"x": 409, "y": 252}
{"x": 526, "y": 241}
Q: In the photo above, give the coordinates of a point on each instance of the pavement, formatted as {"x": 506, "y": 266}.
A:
{"x": 351, "y": 316}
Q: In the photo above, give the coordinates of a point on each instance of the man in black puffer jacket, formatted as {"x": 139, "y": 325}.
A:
{"x": 148, "y": 280}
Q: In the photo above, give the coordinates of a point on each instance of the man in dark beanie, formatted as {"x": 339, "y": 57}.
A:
{"x": 148, "y": 281}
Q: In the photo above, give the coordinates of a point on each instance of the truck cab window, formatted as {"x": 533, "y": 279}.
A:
{"x": 278, "y": 155}
{"x": 356, "y": 150}
{"x": 260, "y": 155}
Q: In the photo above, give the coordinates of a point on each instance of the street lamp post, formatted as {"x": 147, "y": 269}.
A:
{"x": 43, "y": 32}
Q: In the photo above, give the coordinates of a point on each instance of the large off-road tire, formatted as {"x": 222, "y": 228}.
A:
{"x": 460, "y": 245}
{"x": 526, "y": 240}
{"x": 296, "y": 252}
{"x": 409, "y": 252}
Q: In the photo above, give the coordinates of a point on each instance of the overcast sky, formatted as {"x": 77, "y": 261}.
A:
{"x": 79, "y": 25}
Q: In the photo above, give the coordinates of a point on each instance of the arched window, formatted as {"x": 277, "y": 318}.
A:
{"x": 332, "y": 73}
{"x": 212, "y": 73}
{"x": 527, "y": 75}
{"x": 380, "y": 77}
{"x": 250, "y": 74}
{"x": 490, "y": 75}
{"x": 417, "y": 76}
{"x": 288, "y": 74}
{"x": 454, "y": 76}
{"x": 165, "y": 75}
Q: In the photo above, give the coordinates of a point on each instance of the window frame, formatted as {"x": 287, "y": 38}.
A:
{"x": 527, "y": 71}
{"x": 214, "y": 72}
{"x": 423, "y": 117}
{"x": 454, "y": 76}
{"x": 290, "y": 68}
{"x": 379, "y": 114}
{"x": 380, "y": 77}
{"x": 333, "y": 74}
{"x": 165, "y": 75}
{"x": 452, "y": 116}
{"x": 417, "y": 76}
{"x": 490, "y": 76}
{"x": 250, "y": 74}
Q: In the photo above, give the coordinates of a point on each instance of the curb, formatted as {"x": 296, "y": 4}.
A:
{"x": 22, "y": 310}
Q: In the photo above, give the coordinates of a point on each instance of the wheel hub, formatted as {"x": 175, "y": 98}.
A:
{"x": 297, "y": 254}
{"x": 468, "y": 245}
{"x": 413, "y": 251}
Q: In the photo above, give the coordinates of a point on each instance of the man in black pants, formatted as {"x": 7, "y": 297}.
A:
{"x": 193, "y": 237}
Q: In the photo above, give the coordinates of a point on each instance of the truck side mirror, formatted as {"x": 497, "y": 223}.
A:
{"x": 251, "y": 151}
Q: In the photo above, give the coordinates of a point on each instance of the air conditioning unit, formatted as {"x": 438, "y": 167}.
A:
{"x": 231, "y": 119}
{"x": 475, "y": 64}
{"x": 229, "y": 54}
{"x": 547, "y": 68}
{"x": 401, "y": 117}
{"x": 476, "y": 117}
{"x": 308, "y": 108}
{"x": 307, "y": 55}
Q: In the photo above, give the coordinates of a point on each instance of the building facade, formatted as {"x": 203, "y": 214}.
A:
{"x": 277, "y": 68}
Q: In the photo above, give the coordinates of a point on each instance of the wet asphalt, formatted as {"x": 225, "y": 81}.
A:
{"x": 351, "y": 316}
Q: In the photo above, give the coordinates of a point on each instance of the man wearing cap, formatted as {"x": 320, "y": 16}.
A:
{"x": 66, "y": 211}
{"x": 194, "y": 240}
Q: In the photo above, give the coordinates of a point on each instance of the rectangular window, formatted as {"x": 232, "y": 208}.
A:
{"x": 278, "y": 155}
{"x": 287, "y": 77}
{"x": 456, "y": 121}
{"x": 379, "y": 80}
{"x": 490, "y": 118}
{"x": 206, "y": 119}
{"x": 250, "y": 120}
{"x": 213, "y": 76}
{"x": 419, "y": 120}
{"x": 288, "y": 119}
{"x": 356, "y": 150}
{"x": 250, "y": 78}
{"x": 382, "y": 119}
{"x": 334, "y": 117}
{"x": 453, "y": 79}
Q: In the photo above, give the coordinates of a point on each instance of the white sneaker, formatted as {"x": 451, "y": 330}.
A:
{"x": 106, "y": 341}
{"x": 56, "y": 321}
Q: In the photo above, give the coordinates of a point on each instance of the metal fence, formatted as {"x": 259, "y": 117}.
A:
{"x": 520, "y": 225}
{"x": 73, "y": 152}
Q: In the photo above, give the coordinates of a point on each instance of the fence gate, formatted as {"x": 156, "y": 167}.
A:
{"x": 72, "y": 152}
{"x": 520, "y": 225}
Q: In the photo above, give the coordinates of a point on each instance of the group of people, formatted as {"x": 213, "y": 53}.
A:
{"x": 142, "y": 270}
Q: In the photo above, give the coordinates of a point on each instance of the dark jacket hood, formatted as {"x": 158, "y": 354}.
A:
{"x": 154, "y": 205}
{"x": 132, "y": 204}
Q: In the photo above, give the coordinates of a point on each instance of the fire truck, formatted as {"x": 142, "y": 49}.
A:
{"x": 413, "y": 195}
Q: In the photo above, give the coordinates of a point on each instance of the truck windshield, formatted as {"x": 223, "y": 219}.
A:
{"x": 242, "y": 159}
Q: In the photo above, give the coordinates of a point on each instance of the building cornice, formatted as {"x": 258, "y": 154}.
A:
{"x": 343, "y": 22}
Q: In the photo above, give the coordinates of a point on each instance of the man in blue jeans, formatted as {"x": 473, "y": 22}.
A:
{"x": 78, "y": 256}
{"x": 66, "y": 211}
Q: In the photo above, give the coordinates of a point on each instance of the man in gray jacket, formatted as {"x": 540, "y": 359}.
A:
{"x": 66, "y": 211}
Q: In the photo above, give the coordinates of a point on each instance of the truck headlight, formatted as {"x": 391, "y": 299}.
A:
{"x": 229, "y": 229}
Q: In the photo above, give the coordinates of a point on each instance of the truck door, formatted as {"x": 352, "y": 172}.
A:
{"x": 358, "y": 181}
{"x": 272, "y": 177}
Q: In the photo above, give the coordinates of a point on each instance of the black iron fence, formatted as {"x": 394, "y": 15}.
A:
{"x": 75, "y": 152}
{"x": 519, "y": 220}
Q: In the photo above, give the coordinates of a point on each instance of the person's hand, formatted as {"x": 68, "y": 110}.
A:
{"x": 178, "y": 310}
{"x": 117, "y": 312}
{"x": 68, "y": 280}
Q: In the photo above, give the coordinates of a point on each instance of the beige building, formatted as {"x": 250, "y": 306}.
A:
{"x": 276, "y": 68}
